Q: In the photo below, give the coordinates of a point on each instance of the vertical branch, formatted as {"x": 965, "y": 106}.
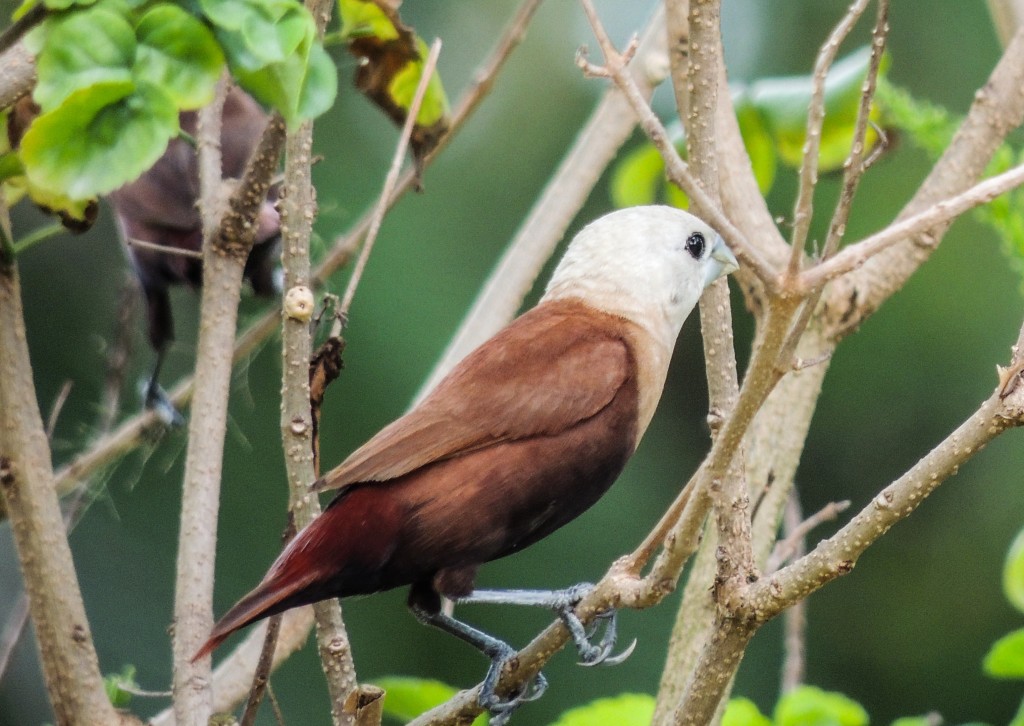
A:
{"x": 226, "y": 248}
{"x": 298, "y": 210}
{"x": 193, "y": 599}
{"x": 701, "y": 25}
{"x": 70, "y": 666}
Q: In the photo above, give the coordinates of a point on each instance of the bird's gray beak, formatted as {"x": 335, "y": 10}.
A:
{"x": 721, "y": 262}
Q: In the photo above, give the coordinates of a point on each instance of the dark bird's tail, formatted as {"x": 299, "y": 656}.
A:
{"x": 275, "y": 594}
{"x": 340, "y": 553}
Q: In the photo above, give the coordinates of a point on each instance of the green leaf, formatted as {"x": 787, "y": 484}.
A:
{"x": 811, "y": 706}
{"x": 98, "y": 139}
{"x": 272, "y": 49}
{"x": 407, "y": 698}
{"x": 1005, "y": 659}
{"x": 783, "y": 104}
{"x": 114, "y": 683}
{"x": 628, "y": 709}
{"x": 403, "y": 88}
{"x": 301, "y": 87}
{"x": 255, "y": 33}
{"x": 82, "y": 48}
{"x": 320, "y": 86}
{"x": 758, "y": 142}
{"x": 65, "y": 4}
{"x": 361, "y": 18}
{"x": 179, "y": 54}
{"x": 744, "y": 712}
{"x": 1013, "y": 573}
{"x": 636, "y": 179}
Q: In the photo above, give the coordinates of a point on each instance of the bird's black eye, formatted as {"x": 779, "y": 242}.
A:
{"x": 695, "y": 245}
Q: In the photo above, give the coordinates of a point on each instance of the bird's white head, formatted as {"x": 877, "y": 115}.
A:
{"x": 647, "y": 264}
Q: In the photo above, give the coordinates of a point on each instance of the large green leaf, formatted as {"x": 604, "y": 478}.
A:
{"x": 406, "y": 698}
{"x": 272, "y": 49}
{"x": 179, "y": 54}
{"x": 99, "y": 139}
{"x": 628, "y": 709}
{"x": 1005, "y": 659}
{"x": 78, "y": 49}
{"x": 1013, "y": 573}
{"x": 783, "y": 104}
{"x": 744, "y": 712}
{"x": 811, "y": 706}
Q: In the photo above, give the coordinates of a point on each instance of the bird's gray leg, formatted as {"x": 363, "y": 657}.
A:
{"x": 498, "y": 651}
{"x": 563, "y": 602}
{"x": 156, "y": 398}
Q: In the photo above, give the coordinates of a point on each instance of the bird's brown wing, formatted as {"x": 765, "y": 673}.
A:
{"x": 556, "y": 365}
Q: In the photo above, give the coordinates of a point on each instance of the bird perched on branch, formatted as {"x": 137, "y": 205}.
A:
{"x": 524, "y": 435}
{"x": 159, "y": 210}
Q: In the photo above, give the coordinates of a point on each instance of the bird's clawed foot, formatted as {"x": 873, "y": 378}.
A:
{"x": 501, "y": 709}
{"x": 591, "y": 654}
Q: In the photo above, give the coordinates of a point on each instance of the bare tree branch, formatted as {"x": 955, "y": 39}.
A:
{"x": 917, "y": 226}
{"x": 66, "y": 650}
{"x": 226, "y": 246}
{"x": 17, "y": 74}
{"x": 803, "y": 208}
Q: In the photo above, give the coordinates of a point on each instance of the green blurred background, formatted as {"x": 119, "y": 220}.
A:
{"x": 904, "y": 634}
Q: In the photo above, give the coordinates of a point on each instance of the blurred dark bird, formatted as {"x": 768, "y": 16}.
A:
{"x": 160, "y": 208}
{"x": 520, "y": 438}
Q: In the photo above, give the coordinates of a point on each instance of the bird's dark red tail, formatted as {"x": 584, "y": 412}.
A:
{"x": 262, "y": 602}
{"x": 335, "y": 556}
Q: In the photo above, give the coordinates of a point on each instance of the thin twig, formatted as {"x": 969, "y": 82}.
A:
{"x": 803, "y": 208}
{"x": 391, "y": 180}
{"x": 797, "y": 532}
{"x": 13, "y": 628}
{"x": 915, "y": 226}
{"x": 299, "y": 430}
{"x": 853, "y": 170}
{"x": 855, "y": 164}
{"x": 795, "y": 639}
{"x": 261, "y": 678}
{"x": 56, "y": 408}
{"x": 164, "y": 249}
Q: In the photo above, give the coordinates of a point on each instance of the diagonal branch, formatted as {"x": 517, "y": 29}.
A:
{"x": 916, "y": 226}
{"x": 803, "y": 209}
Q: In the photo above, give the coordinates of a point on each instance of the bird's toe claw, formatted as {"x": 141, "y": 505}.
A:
{"x": 600, "y": 653}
